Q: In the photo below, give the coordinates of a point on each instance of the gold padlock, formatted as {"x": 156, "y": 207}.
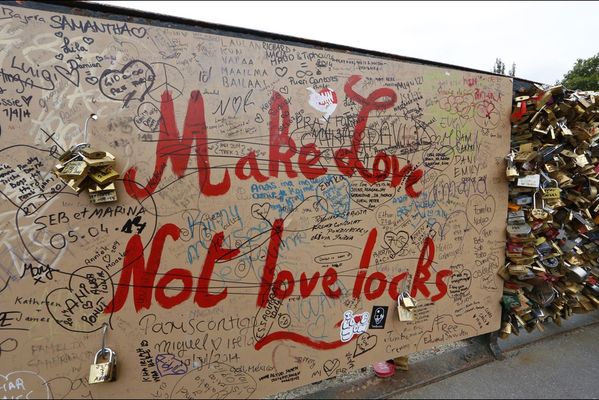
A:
{"x": 511, "y": 172}
{"x": 405, "y": 307}
{"x": 103, "y": 372}
{"x": 538, "y": 213}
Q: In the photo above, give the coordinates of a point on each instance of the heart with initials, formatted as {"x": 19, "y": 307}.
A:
{"x": 80, "y": 306}
{"x": 330, "y": 366}
{"x": 364, "y": 343}
{"x": 396, "y": 241}
{"x": 131, "y": 82}
{"x": 480, "y": 211}
{"x": 24, "y": 385}
{"x": 260, "y": 211}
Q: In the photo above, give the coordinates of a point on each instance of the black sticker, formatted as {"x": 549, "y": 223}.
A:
{"x": 379, "y": 316}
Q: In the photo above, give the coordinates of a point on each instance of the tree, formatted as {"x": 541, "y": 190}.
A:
{"x": 512, "y": 71}
{"x": 584, "y": 75}
{"x": 499, "y": 67}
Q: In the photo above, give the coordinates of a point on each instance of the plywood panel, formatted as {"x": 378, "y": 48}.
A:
{"x": 273, "y": 201}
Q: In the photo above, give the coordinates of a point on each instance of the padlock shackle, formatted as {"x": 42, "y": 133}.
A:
{"x": 94, "y": 117}
{"x": 101, "y": 352}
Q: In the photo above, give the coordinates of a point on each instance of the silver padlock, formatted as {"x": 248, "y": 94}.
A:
{"x": 578, "y": 274}
{"x": 105, "y": 371}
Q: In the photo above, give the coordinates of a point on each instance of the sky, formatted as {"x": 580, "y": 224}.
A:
{"x": 544, "y": 39}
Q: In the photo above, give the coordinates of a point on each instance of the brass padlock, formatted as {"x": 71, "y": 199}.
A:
{"x": 511, "y": 172}
{"x": 538, "y": 213}
{"x": 405, "y": 307}
{"x": 103, "y": 372}
{"x": 551, "y": 194}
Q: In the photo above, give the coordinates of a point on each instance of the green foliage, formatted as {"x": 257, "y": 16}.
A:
{"x": 584, "y": 75}
{"x": 499, "y": 67}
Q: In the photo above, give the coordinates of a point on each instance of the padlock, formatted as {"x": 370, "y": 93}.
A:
{"x": 103, "y": 372}
{"x": 538, "y": 213}
{"x": 405, "y": 306}
{"x": 551, "y": 193}
{"x": 511, "y": 172}
{"x": 577, "y": 273}
{"x": 530, "y": 181}
{"x": 82, "y": 166}
{"x": 506, "y": 329}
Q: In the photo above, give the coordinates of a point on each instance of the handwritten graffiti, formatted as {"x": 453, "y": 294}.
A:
{"x": 274, "y": 202}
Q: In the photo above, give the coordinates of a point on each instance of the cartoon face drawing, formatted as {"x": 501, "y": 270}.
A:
{"x": 379, "y": 315}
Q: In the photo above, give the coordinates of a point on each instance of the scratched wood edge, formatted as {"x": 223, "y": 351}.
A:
{"x": 96, "y": 10}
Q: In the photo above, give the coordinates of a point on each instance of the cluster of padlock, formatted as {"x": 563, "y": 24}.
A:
{"x": 552, "y": 249}
{"x": 84, "y": 168}
{"x": 406, "y": 305}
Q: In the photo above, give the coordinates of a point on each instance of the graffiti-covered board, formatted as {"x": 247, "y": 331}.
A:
{"x": 241, "y": 215}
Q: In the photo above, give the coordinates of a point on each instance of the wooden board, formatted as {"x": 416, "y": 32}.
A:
{"x": 274, "y": 199}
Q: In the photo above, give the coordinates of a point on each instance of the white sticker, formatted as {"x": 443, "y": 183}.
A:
{"x": 531, "y": 181}
{"x": 351, "y": 327}
{"x": 324, "y": 101}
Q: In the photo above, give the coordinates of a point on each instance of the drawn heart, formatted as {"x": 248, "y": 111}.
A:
{"x": 396, "y": 241}
{"x": 317, "y": 328}
{"x": 364, "y": 343}
{"x": 330, "y": 366}
{"x": 106, "y": 258}
{"x": 480, "y": 211}
{"x": 88, "y": 40}
{"x": 24, "y": 385}
{"x": 281, "y": 71}
{"x": 167, "y": 364}
{"x": 260, "y": 211}
{"x": 99, "y": 58}
{"x": 80, "y": 306}
{"x": 131, "y": 82}
{"x": 27, "y": 100}
{"x": 459, "y": 284}
{"x": 58, "y": 34}
{"x": 59, "y": 56}
{"x": 259, "y": 118}
{"x": 284, "y": 90}
{"x": 71, "y": 76}
{"x": 148, "y": 117}
{"x": 92, "y": 80}
{"x": 138, "y": 32}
